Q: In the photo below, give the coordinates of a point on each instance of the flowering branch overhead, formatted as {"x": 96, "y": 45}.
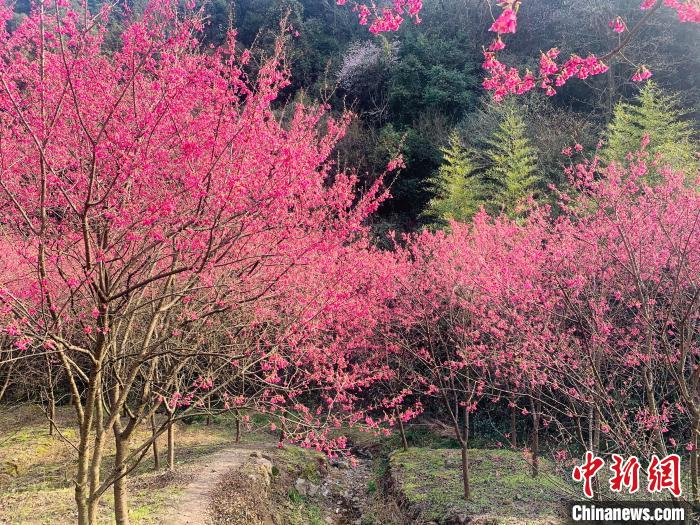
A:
{"x": 553, "y": 73}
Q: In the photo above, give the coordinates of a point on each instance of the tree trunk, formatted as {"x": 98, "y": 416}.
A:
{"x": 6, "y": 381}
{"x": 82, "y": 491}
{"x": 83, "y": 485}
{"x": 156, "y": 456}
{"x": 121, "y": 500}
{"x": 596, "y": 448}
{"x": 51, "y": 412}
{"x": 171, "y": 443}
{"x": 51, "y": 409}
{"x": 208, "y": 421}
{"x": 82, "y": 507}
{"x": 238, "y": 428}
{"x": 465, "y": 453}
{"x": 695, "y": 430}
{"x": 404, "y": 441}
{"x": 535, "y": 439}
{"x": 513, "y": 425}
{"x": 81, "y": 500}
{"x": 96, "y": 462}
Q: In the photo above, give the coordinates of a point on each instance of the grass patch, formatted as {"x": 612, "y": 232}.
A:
{"x": 304, "y": 513}
{"x": 500, "y": 482}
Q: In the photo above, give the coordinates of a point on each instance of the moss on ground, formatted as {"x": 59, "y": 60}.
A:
{"x": 500, "y": 482}
{"x": 293, "y": 463}
{"x": 300, "y": 462}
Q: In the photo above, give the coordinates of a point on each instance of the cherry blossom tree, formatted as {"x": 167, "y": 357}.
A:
{"x": 632, "y": 301}
{"x": 153, "y": 206}
{"x": 586, "y": 321}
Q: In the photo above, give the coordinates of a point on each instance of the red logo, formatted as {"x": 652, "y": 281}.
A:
{"x": 587, "y": 472}
{"x": 665, "y": 474}
{"x": 662, "y": 474}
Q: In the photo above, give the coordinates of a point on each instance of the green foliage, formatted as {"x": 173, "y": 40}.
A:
{"x": 511, "y": 175}
{"x": 458, "y": 190}
{"x": 301, "y": 462}
{"x": 509, "y": 163}
{"x": 659, "y": 116}
{"x": 294, "y": 495}
{"x": 432, "y": 74}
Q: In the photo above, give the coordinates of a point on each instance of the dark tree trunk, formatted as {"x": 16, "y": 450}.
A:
{"x": 404, "y": 441}
{"x": 694, "y": 466}
{"x": 513, "y": 424}
{"x": 171, "y": 443}
{"x": 465, "y": 453}
{"x": 156, "y": 455}
{"x": 536, "y": 409}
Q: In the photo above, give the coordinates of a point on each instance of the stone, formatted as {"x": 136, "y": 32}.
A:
{"x": 300, "y": 486}
{"x": 339, "y": 463}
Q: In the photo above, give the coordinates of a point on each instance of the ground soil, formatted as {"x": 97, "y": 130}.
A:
{"x": 194, "y": 503}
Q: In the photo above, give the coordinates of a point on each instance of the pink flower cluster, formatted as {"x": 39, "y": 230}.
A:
{"x": 507, "y": 22}
{"x": 641, "y": 74}
{"x": 618, "y": 25}
{"x": 688, "y": 11}
{"x": 386, "y": 18}
{"x": 503, "y": 80}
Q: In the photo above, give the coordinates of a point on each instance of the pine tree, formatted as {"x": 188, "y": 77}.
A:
{"x": 456, "y": 186}
{"x": 658, "y": 115}
{"x": 512, "y": 162}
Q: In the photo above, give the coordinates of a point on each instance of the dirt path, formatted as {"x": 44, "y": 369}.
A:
{"x": 193, "y": 504}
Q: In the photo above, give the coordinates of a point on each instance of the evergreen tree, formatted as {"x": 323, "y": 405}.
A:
{"x": 658, "y": 115}
{"x": 456, "y": 186}
{"x": 511, "y": 162}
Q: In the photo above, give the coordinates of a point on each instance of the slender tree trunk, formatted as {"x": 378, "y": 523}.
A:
{"x": 513, "y": 424}
{"x": 156, "y": 455}
{"x": 208, "y": 421}
{"x": 404, "y": 441}
{"x": 86, "y": 505}
{"x": 81, "y": 492}
{"x": 465, "y": 453}
{"x": 594, "y": 429}
{"x": 594, "y": 444}
{"x": 535, "y": 437}
{"x": 171, "y": 443}
{"x": 694, "y": 467}
{"x": 90, "y": 412}
{"x": 96, "y": 459}
{"x": 6, "y": 381}
{"x": 121, "y": 500}
{"x": 238, "y": 428}
{"x": 51, "y": 411}
{"x": 651, "y": 396}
